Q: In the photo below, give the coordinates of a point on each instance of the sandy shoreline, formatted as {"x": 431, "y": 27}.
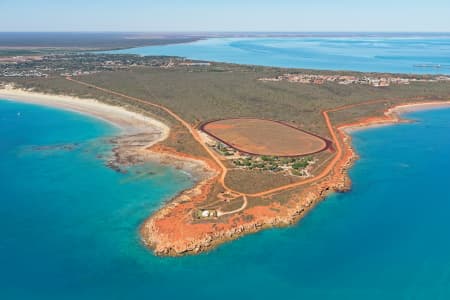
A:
{"x": 138, "y": 133}
{"x": 129, "y": 122}
{"x": 139, "y": 143}
{"x": 393, "y": 115}
{"x": 405, "y": 108}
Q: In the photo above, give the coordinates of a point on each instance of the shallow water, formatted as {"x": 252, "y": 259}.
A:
{"x": 69, "y": 224}
{"x": 425, "y": 54}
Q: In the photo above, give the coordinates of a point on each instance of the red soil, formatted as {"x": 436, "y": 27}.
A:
{"x": 173, "y": 231}
{"x": 265, "y": 137}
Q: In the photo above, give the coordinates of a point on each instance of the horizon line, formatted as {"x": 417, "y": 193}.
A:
{"x": 219, "y": 31}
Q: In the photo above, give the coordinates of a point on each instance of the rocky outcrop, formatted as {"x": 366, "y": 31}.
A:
{"x": 172, "y": 231}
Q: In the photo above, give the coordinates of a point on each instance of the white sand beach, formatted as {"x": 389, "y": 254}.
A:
{"x": 129, "y": 122}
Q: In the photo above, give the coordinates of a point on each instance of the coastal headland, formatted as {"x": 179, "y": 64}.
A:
{"x": 175, "y": 229}
{"x": 262, "y": 152}
{"x": 168, "y": 233}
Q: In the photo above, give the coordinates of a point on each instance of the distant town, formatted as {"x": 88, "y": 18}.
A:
{"x": 76, "y": 64}
{"x": 375, "y": 81}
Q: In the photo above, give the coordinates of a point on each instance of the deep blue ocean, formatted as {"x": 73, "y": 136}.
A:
{"x": 425, "y": 53}
{"x": 69, "y": 224}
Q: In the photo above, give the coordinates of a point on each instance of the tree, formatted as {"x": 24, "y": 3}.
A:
{"x": 300, "y": 165}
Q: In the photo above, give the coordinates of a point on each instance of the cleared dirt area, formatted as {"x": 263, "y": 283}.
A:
{"x": 265, "y": 137}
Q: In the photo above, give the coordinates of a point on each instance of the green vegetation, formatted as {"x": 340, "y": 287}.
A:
{"x": 223, "y": 149}
{"x": 77, "y": 64}
{"x": 272, "y": 163}
{"x": 200, "y": 93}
{"x": 301, "y": 164}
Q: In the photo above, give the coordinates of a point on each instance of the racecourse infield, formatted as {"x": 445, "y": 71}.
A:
{"x": 265, "y": 137}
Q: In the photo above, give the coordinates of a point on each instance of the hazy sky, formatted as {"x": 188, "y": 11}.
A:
{"x": 226, "y": 15}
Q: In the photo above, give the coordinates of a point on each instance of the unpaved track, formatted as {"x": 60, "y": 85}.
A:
{"x": 244, "y": 205}
{"x": 191, "y": 130}
{"x": 336, "y": 158}
{"x": 224, "y": 170}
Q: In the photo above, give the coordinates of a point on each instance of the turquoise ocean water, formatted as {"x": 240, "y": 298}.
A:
{"x": 69, "y": 224}
{"x": 408, "y": 54}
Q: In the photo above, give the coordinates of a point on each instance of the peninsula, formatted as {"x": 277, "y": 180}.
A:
{"x": 264, "y": 149}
